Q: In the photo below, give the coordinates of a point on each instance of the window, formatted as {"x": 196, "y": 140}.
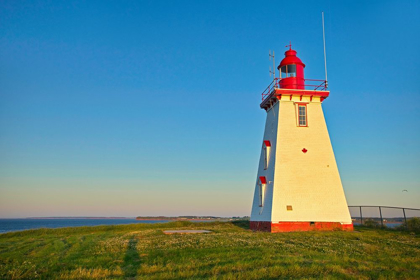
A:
{"x": 265, "y": 157}
{"x": 266, "y": 151}
{"x": 288, "y": 71}
{"x": 302, "y": 115}
{"x": 261, "y": 186}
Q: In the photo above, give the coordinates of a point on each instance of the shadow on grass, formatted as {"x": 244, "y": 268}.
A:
{"x": 241, "y": 224}
{"x": 131, "y": 260}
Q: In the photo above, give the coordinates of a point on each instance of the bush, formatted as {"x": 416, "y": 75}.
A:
{"x": 413, "y": 224}
{"x": 371, "y": 223}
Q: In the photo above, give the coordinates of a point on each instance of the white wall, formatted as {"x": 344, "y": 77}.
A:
{"x": 270, "y": 133}
{"x": 309, "y": 182}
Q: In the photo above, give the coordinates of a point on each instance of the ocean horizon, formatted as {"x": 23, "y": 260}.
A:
{"x": 20, "y": 224}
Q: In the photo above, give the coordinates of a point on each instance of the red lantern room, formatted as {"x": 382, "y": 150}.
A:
{"x": 291, "y": 71}
{"x": 292, "y": 83}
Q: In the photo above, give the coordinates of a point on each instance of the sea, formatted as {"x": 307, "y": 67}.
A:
{"x": 8, "y": 225}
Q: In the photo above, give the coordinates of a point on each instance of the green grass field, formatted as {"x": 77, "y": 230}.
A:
{"x": 231, "y": 251}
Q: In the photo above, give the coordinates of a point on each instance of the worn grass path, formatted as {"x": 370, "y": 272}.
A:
{"x": 231, "y": 251}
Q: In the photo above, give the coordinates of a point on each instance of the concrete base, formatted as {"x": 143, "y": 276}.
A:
{"x": 299, "y": 226}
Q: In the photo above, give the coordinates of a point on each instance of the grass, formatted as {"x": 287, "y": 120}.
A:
{"x": 231, "y": 251}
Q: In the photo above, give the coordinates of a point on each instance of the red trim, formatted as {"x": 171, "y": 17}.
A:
{"x": 267, "y": 143}
{"x": 263, "y": 180}
{"x": 299, "y": 226}
{"x": 347, "y": 227}
{"x": 260, "y": 226}
{"x": 274, "y": 94}
{"x": 303, "y": 92}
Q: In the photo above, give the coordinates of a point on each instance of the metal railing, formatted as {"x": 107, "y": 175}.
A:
{"x": 385, "y": 218}
{"x": 275, "y": 84}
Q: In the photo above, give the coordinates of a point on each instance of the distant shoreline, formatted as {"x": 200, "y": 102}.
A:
{"x": 53, "y": 218}
{"x": 179, "y": 219}
{"x": 139, "y": 218}
{"x": 191, "y": 218}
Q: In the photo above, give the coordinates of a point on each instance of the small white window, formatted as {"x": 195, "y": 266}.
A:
{"x": 261, "y": 188}
{"x": 266, "y": 151}
{"x": 303, "y": 121}
{"x": 265, "y": 157}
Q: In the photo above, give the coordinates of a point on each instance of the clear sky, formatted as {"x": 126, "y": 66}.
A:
{"x": 126, "y": 108}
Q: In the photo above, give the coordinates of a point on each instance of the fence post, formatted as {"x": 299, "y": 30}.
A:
{"x": 405, "y": 219}
{"x": 380, "y": 213}
{"x": 361, "y": 218}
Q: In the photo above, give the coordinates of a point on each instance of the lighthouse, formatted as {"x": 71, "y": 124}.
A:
{"x": 298, "y": 186}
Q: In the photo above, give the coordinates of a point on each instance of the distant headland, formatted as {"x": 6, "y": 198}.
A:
{"x": 192, "y": 218}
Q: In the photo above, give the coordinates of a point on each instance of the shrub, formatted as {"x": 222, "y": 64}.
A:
{"x": 371, "y": 223}
{"x": 413, "y": 224}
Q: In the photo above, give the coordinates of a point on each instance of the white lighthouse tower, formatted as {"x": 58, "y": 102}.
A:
{"x": 298, "y": 185}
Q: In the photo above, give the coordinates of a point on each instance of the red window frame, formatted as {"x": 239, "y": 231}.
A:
{"x": 298, "y": 114}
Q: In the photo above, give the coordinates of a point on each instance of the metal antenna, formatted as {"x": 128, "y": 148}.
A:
{"x": 272, "y": 57}
{"x": 325, "y": 53}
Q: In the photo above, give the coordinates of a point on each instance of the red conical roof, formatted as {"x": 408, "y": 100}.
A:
{"x": 290, "y": 58}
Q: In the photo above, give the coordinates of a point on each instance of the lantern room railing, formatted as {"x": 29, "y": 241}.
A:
{"x": 311, "y": 85}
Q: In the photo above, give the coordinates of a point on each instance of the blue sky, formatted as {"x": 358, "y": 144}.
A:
{"x": 125, "y": 108}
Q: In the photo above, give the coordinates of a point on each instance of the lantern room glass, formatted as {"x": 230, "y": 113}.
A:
{"x": 288, "y": 71}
